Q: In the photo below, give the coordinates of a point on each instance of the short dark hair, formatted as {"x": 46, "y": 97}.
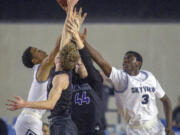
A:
{"x": 27, "y": 58}
{"x": 137, "y": 55}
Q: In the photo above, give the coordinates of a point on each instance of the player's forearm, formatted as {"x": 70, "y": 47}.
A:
{"x": 42, "y": 105}
{"x": 66, "y": 36}
{"x": 96, "y": 56}
{"x": 53, "y": 54}
{"x": 78, "y": 41}
{"x": 168, "y": 112}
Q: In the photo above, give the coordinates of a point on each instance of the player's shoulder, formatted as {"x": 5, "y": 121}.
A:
{"x": 118, "y": 70}
{"x": 62, "y": 76}
{"x": 36, "y": 66}
{"x": 149, "y": 74}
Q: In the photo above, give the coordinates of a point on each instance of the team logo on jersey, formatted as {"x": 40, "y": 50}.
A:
{"x": 30, "y": 132}
{"x": 142, "y": 89}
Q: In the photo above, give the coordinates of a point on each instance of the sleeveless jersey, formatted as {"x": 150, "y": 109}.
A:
{"x": 63, "y": 106}
{"x": 87, "y": 109}
{"x": 38, "y": 91}
{"x": 136, "y": 96}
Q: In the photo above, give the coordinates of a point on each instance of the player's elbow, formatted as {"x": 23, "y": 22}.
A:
{"x": 51, "y": 106}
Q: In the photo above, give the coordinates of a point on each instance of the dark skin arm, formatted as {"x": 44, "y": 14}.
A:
{"x": 168, "y": 113}
{"x": 48, "y": 63}
{"x": 100, "y": 61}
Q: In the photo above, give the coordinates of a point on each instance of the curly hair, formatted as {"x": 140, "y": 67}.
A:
{"x": 69, "y": 56}
{"x": 27, "y": 58}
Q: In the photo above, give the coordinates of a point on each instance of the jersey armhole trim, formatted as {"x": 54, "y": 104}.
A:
{"x": 36, "y": 76}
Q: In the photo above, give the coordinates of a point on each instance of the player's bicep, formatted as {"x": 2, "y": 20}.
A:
{"x": 44, "y": 70}
{"x": 159, "y": 91}
{"x": 56, "y": 90}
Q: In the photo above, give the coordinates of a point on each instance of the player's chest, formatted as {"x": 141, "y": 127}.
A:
{"x": 82, "y": 94}
{"x": 140, "y": 87}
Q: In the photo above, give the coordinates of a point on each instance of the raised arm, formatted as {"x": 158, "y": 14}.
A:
{"x": 66, "y": 36}
{"x": 48, "y": 63}
{"x": 168, "y": 113}
{"x": 60, "y": 82}
{"x": 94, "y": 77}
{"x": 100, "y": 61}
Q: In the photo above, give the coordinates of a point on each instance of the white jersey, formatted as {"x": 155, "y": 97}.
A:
{"x": 136, "y": 96}
{"x": 38, "y": 92}
{"x": 29, "y": 121}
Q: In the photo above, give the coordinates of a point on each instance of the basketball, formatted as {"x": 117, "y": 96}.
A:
{"x": 62, "y": 3}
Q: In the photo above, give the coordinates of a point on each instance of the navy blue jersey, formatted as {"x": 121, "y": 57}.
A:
{"x": 63, "y": 106}
{"x": 87, "y": 108}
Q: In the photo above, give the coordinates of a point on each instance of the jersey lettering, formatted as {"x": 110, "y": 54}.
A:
{"x": 145, "y": 99}
{"x": 83, "y": 99}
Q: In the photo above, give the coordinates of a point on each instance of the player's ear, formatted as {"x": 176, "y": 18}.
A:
{"x": 138, "y": 64}
{"x": 34, "y": 61}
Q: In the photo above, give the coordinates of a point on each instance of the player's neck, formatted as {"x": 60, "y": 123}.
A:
{"x": 58, "y": 68}
{"x": 133, "y": 73}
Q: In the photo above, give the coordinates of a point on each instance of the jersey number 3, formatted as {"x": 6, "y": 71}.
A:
{"x": 84, "y": 98}
{"x": 145, "y": 99}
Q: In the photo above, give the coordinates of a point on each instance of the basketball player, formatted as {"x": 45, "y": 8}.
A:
{"x": 60, "y": 94}
{"x": 136, "y": 92}
{"x": 29, "y": 120}
{"x": 59, "y": 88}
{"x": 88, "y": 111}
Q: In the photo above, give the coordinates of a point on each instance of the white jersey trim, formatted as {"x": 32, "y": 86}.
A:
{"x": 36, "y": 74}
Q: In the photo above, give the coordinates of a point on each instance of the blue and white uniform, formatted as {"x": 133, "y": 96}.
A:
{"x": 136, "y": 101}
{"x": 29, "y": 121}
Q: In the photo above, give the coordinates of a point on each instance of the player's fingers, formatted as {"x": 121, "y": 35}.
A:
{"x": 69, "y": 26}
{"x": 85, "y": 31}
{"x": 17, "y": 97}
{"x": 9, "y": 104}
{"x": 12, "y": 101}
{"x": 70, "y": 21}
{"x": 76, "y": 23}
{"x": 74, "y": 12}
{"x": 11, "y": 108}
{"x": 80, "y": 11}
{"x": 69, "y": 29}
{"x": 84, "y": 16}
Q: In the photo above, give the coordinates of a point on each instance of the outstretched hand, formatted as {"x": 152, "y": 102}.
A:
{"x": 72, "y": 27}
{"x": 74, "y": 23}
{"x": 15, "y": 104}
{"x": 79, "y": 17}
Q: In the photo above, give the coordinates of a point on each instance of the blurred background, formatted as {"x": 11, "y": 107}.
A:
{"x": 150, "y": 27}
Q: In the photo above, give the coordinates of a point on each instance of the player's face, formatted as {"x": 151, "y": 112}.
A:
{"x": 130, "y": 63}
{"x": 38, "y": 55}
{"x": 45, "y": 130}
{"x": 81, "y": 69}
